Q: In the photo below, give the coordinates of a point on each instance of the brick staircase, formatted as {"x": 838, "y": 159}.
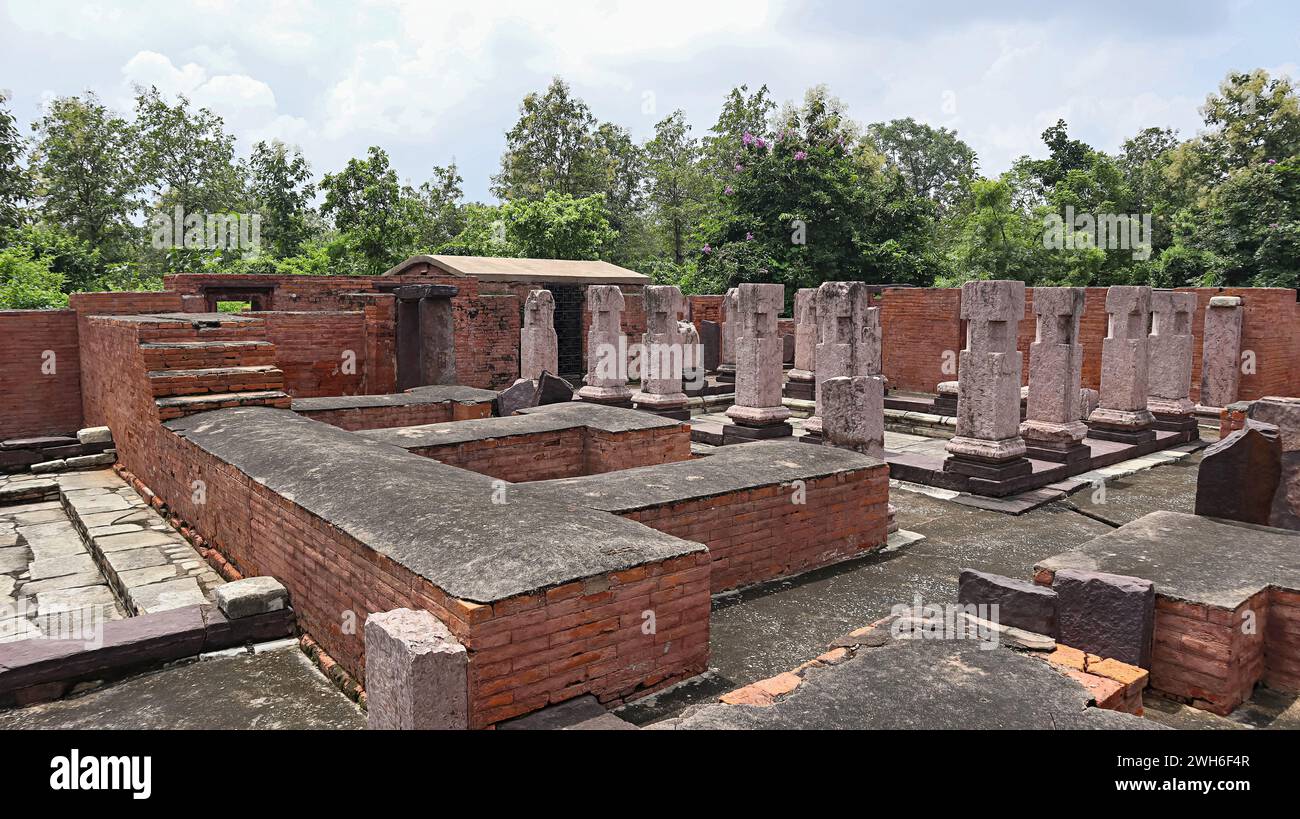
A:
{"x": 217, "y": 367}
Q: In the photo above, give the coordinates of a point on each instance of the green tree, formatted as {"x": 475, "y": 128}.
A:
{"x": 186, "y": 156}
{"x": 281, "y": 188}
{"x": 84, "y": 163}
{"x": 366, "y": 204}
{"x": 677, "y": 187}
{"x": 439, "y": 199}
{"x": 936, "y": 164}
{"x": 552, "y": 148}
{"x": 559, "y": 226}
{"x": 15, "y": 181}
{"x": 27, "y": 283}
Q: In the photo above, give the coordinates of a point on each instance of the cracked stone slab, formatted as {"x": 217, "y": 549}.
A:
{"x": 73, "y": 599}
{"x": 68, "y": 581}
{"x": 134, "y": 540}
{"x": 131, "y": 559}
{"x": 136, "y": 579}
{"x": 169, "y": 594}
{"x": 61, "y": 566}
{"x": 14, "y": 559}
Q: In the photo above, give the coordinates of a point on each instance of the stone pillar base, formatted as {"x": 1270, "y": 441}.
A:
{"x": 1122, "y": 426}
{"x": 740, "y": 434}
{"x": 757, "y": 416}
{"x": 800, "y": 389}
{"x": 893, "y": 524}
{"x": 667, "y": 406}
{"x": 998, "y": 472}
{"x": 1185, "y": 424}
{"x": 727, "y": 372}
{"x": 610, "y": 396}
{"x": 1073, "y": 454}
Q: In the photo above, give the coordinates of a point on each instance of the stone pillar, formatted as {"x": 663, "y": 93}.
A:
{"x": 847, "y": 328}
{"x": 606, "y": 380}
{"x": 802, "y": 377}
{"x": 853, "y": 413}
{"x": 425, "y": 336}
{"x": 1052, "y": 429}
{"x": 693, "y": 377}
{"x": 539, "y": 347}
{"x": 1122, "y": 414}
{"x": 988, "y": 448}
{"x": 1169, "y": 362}
{"x": 758, "y": 412}
{"x": 661, "y": 354}
{"x": 730, "y": 322}
{"x": 416, "y": 673}
{"x": 1221, "y": 352}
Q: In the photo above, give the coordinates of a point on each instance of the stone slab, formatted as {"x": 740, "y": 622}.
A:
{"x": 1021, "y": 604}
{"x": 1110, "y": 615}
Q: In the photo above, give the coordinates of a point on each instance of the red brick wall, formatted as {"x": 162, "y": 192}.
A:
{"x": 567, "y": 453}
{"x": 310, "y": 349}
{"x": 1203, "y": 656}
{"x": 760, "y": 534}
{"x": 492, "y": 356}
{"x": 409, "y": 415}
{"x": 917, "y": 327}
{"x": 1282, "y": 641}
{"x": 705, "y": 308}
{"x": 1270, "y": 328}
{"x": 32, "y": 400}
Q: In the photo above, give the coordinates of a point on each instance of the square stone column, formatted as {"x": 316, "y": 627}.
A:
{"x": 988, "y": 446}
{"x": 801, "y": 378}
{"x": 1052, "y": 429}
{"x": 853, "y": 413}
{"x": 1221, "y": 352}
{"x": 416, "y": 673}
{"x": 730, "y": 322}
{"x": 1122, "y": 414}
{"x": 758, "y": 412}
{"x": 693, "y": 373}
{"x": 849, "y": 338}
{"x": 539, "y": 347}
{"x": 606, "y": 380}
{"x": 1169, "y": 362}
{"x": 662, "y": 354}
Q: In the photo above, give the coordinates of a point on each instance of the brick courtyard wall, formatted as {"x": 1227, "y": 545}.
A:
{"x": 1202, "y": 655}
{"x": 493, "y": 354}
{"x": 567, "y": 453}
{"x": 1282, "y": 641}
{"x": 705, "y": 308}
{"x": 408, "y": 415}
{"x": 310, "y": 349}
{"x": 40, "y": 373}
{"x": 1269, "y": 329}
{"x": 917, "y": 327}
{"x": 759, "y": 534}
{"x": 116, "y": 391}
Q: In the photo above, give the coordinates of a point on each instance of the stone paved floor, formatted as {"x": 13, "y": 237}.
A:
{"x": 277, "y": 688}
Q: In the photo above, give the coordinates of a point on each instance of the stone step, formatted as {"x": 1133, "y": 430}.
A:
{"x": 194, "y": 355}
{"x": 182, "y": 405}
{"x": 168, "y": 383}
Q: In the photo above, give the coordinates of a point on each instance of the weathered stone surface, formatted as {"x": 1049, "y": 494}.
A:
{"x": 805, "y": 334}
{"x": 1169, "y": 353}
{"x": 1110, "y": 615}
{"x": 854, "y": 413}
{"x": 759, "y": 374}
{"x": 551, "y": 389}
{"x": 988, "y": 401}
{"x": 84, "y": 461}
{"x": 95, "y": 435}
{"x": 1021, "y": 604}
{"x": 1088, "y": 401}
{"x": 1221, "y": 351}
{"x": 606, "y": 379}
{"x": 1055, "y": 368}
{"x": 167, "y": 595}
{"x": 538, "y": 343}
{"x": 730, "y": 326}
{"x": 1284, "y": 414}
{"x": 519, "y": 395}
{"x": 849, "y": 338}
{"x": 661, "y": 350}
{"x": 693, "y": 373}
{"x": 416, "y": 673}
{"x": 1123, "y": 398}
{"x": 1238, "y": 477}
{"x": 250, "y": 596}
{"x": 711, "y": 338}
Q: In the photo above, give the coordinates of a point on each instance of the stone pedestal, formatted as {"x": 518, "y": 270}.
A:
{"x": 758, "y": 365}
{"x": 988, "y": 446}
{"x": 693, "y": 373}
{"x": 606, "y": 380}
{"x": 945, "y": 400}
{"x": 801, "y": 379}
{"x": 1122, "y": 414}
{"x": 727, "y": 352}
{"x": 1052, "y": 430}
{"x": 853, "y": 413}
{"x": 539, "y": 347}
{"x": 1221, "y": 352}
{"x": 416, "y": 673}
{"x": 849, "y": 338}
{"x": 662, "y": 354}
{"x": 1169, "y": 362}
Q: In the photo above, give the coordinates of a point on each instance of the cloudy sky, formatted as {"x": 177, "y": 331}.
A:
{"x": 432, "y": 81}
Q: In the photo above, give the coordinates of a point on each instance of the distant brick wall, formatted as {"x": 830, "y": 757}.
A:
{"x": 918, "y": 326}
{"x": 705, "y": 308}
{"x": 492, "y": 358}
{"x": 40, "y": 373}
{"x": 759, "y": 534}
{"x": 1270, "y": 329}
{"x": 310, "y": 349}
{"x": 409, "y": 415}
{"x": 568, "y": 453}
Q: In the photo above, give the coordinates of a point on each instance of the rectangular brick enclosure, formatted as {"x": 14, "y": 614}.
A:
{"x": 1227, "y": 602}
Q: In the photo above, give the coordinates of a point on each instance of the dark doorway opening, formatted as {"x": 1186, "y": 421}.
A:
{"x": 569, "y": 303}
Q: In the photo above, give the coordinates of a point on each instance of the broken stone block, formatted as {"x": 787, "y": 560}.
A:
{"x": 1110, "y": 615}
{"x": 551, "y": 389}
{"x": 853, "y": 413}
{"x": 252, "y": 595}
{"x": 95, "y": 435}
{"x": 520, "y": 395}
{"x": 49, "y": 466}
{"x": 416, "y": 673}
{"x": 1238, "y": 476}
{"x": 711, "y": 338}
{"x": 1284, "y": 414}
{"x": 84, "y": 461}
{"x": 1021, "y": 604}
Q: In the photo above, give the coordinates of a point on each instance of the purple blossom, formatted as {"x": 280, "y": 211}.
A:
{"x": 749, "y": 237}
{"x": 729, "y": 190}
{"x": 1272, "y": 162}
{"x": 800, "y": 155}
{"x": 747, "y": 139}
{"x": 739, "y": 167}
{"x": 760, "y": 143}
{"x": 706, "y": 249}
